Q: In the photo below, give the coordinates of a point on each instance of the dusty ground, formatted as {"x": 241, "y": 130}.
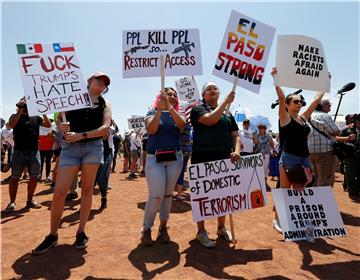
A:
{"x": 114, "y": 251}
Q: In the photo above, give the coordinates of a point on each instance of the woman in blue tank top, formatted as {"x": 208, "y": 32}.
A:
{"x": 293, "y": 137}
{"x": 83, "y": 148}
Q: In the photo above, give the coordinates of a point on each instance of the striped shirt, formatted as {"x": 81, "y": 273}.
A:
{"x": 318, "y": 143}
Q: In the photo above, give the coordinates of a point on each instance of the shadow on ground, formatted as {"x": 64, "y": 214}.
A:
{"x": 55, "y": 264}
{"x": 143, "y": 257}
{"x": 214, "y": 261}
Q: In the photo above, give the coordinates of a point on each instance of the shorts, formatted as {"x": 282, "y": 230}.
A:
{"x": 22, "y": 158}
{"x": 290, "y": 160}
{"x": 79, "y": 153}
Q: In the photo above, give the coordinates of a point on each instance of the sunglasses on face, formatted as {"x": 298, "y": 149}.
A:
{"x": 296, "y": 102}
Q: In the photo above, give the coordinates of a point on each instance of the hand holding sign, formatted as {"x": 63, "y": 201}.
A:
{"x": 163, "y": 101}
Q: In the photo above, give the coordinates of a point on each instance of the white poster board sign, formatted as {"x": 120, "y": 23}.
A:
{"x": 52, "y": 78}
{"x": 136, "y": 122}
{"x": 219, "y": 188}
{"x": 142, "y": 50}
{"x": 315, "y": 205}
{"x": 244, "y": 51}
{"x": 187, "y": 90}
{"x": 301, "y": 63}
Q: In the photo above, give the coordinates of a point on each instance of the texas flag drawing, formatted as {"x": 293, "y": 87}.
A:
{"x": 29, "y": 48}
{"x": 63, "y": 47}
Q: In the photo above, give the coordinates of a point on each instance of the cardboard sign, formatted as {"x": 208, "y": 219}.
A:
{"x": 219, "y": 188}
{"x": 301, "y": 63}
{"x": 244, "y": 51}
{"x": 136, "y": 122}
{"x": 313, "y": 205}
{"x": 142, "y": 50}
{"x": 52, "y": 78}
{"x": 187, "y": 90}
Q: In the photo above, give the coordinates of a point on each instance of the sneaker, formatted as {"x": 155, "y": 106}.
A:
{"x": 204, "y": 240}
{"x": 38, "y": 178}
{"x": 146, "y": 237}
{"x": 25, "y": 177}
{"x": 48, "y": 180}
{"x": 142, "y": 173}
{"x": 49, "y": 241}
{"x": 225, "y": 234}
{"x": 71, "y": 196}
{"x": 10, "y": 208}
{"x": 163, "y": 236}
{"x": 131, "y": 176}
{"x": 33, "y": 204}
{"x": 81, "y": 241}
{"x": 103, "y": 203}
{"x": 276, "y": 226}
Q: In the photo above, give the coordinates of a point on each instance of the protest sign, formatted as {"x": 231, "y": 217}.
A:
{"x": 52, "y": 78}
{"x": 136, "y": 122}
{"x": 219, "y": 188}
{"x": 244, "y": 51}
{"x": 301, "y": 63}
{"x": 187, "y": 90}
{"x": 314, "y": 207}
{"x": 142, "y": 50}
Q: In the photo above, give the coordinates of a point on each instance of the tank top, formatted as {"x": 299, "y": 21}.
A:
{"x": 84, "y": 120}
{"x": 294, "y": 138}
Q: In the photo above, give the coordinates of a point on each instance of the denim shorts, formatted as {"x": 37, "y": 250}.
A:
{"x": 78, "y": 153}
{"x": 21, "y": 158}
{"x": 290, "y": 160}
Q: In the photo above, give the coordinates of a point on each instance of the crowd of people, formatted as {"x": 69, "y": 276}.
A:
{"x": 87, "y": 142}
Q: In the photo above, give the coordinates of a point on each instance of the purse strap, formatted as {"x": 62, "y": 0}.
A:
{"x": 321, "y": 132}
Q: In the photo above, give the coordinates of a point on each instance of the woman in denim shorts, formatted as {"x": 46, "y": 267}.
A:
{"x": 83, "y": 149}
{"x": 163, "y": 162}
{"x": 293, "y": 136}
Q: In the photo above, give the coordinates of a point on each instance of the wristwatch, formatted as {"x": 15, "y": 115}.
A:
{"x": 84, "y": 134}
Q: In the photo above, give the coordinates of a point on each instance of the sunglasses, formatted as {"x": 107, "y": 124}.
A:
{"x": 296, "y": 102}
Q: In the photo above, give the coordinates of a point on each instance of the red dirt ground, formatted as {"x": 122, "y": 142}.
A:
{"x": 114, "y": 251}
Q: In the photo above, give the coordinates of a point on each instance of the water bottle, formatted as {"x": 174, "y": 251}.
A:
{"x": 309, "y": 232}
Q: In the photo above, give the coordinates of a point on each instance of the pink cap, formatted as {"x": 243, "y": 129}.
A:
{"x": 101, "y": 74}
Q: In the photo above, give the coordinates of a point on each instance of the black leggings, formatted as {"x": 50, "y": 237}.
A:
{"x": 46, "y": 156}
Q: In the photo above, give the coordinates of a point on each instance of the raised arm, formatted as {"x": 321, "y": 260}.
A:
{"x": 306, "y": 115}
{"x": 213, "y": 117}
{"x": 283, "y": 114}
{"x": 13, "y": 120}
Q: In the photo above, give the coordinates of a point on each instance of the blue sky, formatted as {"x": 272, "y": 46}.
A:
{"x": 96, "y": 29}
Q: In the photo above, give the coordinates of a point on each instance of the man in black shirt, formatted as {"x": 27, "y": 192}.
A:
{"x": 26, "y": 134}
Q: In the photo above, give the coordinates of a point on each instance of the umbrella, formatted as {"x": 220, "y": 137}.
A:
{"x": 241, "y": 113}
{"x": 258, "y": 119}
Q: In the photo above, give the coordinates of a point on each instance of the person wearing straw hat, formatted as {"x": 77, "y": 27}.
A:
{"x": 215, "y": 137}
{"x": 83, "y": 148}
